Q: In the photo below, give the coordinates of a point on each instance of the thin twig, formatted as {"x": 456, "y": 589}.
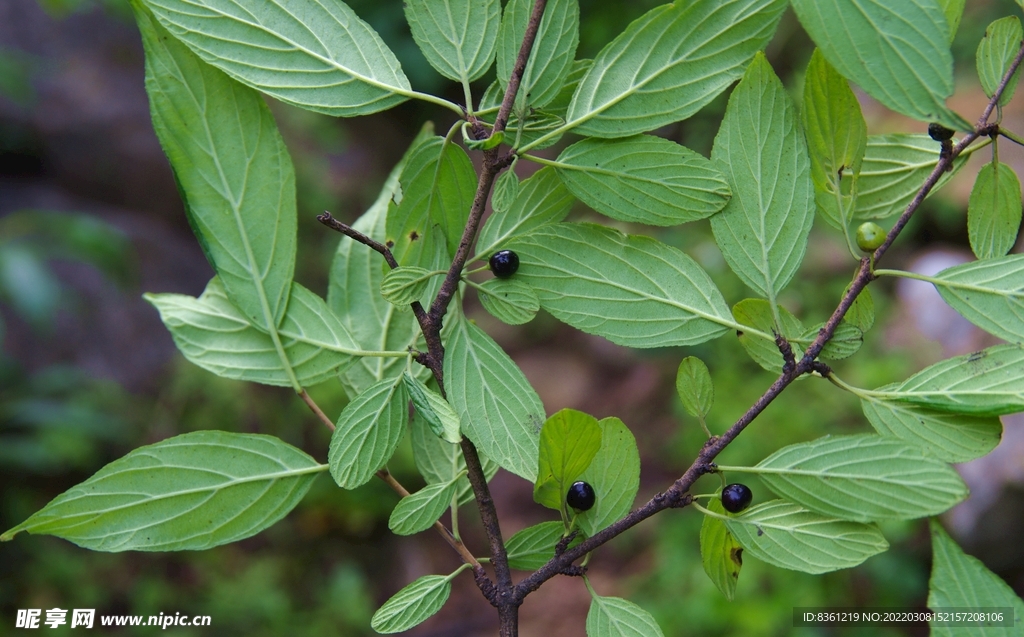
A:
{"x": 306, "y": 398}
{"x": 397, "y": 487}
{"x": 449, "y": 537}
{"x": 349, "y": 231}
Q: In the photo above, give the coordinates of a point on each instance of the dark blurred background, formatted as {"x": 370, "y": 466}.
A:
{"x": 90, "y": 219}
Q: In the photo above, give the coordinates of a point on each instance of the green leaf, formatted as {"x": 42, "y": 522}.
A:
{"x": 763, "y": 230}
{"x": 418, "y": 511}
{"x": 500, "y": 411}
{"x": 757, "y": 313}
{"x": 535, "y": 123}
{"x": 506, "y": 189}
{"x": 994, "y": 211}
{"x": 318, "y": 56}
{"x": 845, "y": 341}
{"x": 953, "y": 10}
{"x": 368, "y": 432}
{"x": 439, "y": 461}
{"x": 532, "y": 547}
{"x": 988, "y": 293}
{"x": 353, "y": 293}
{"x": 643, "y": 179}
{"x": 191, "y": 492}
{"x": 836, "y": 139}
{"x": 615, "y": 475}
{"x": 542, "y": 199}
{"x": 720, "y": 553}
{"x": 892, "y": 172}
{"x": 536, "y": 128}
{"x": 694, "y": 386}
{"x": 669, "y": 63}
{"x": 898, "y": 52}
{"x": 412, "y": 605}
{"x": 959, "y": 581}
{"x": 456, "y": 36}
{"x": 995, "y": 54}
{"x": 406, "y": 284}
{"x": 437, "y": 184}
{"x": 985, "y": 383}
{"x": 551, "y": 56}
{"x": 212, "y": 333}
{"x": 948, "y": 437}
{"x": 862, "y": 478}
{"x": 509, "y": 301}
{"x": 232, "y": 169}
{"x": 560, "y": 104}
{"x": 569, "y": 440}
{"x": 646, "y": 294}
{"x": 862, "y": 312}
{"x": 436, "y": 411}
{"x": 617, "y": 617}
{"x": 789, "y": 536}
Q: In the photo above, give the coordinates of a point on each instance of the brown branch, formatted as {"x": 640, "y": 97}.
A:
{"x": 520, "y": 66}
{"x": 351, "y": 232}
{"x": 676, "y": 495}
{"x": 491, "y": 166}
{"x": 502, "y": 596}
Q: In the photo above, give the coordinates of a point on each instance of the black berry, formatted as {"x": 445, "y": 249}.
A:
{"x": 938, "y": 132}
{"x": 736, "y": 497}
{"x": 504, "y": 263}
{"x": 581, "y": 496}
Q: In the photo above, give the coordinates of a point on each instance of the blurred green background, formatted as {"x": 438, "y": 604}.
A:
{"x": 90, "y": 219}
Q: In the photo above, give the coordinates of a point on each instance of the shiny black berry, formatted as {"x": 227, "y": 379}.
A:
{"x": 504, "y": 263}
{"x": 581, "y": 496}
{"x": 736, "y": 497}
{"x": 938, "y": 132}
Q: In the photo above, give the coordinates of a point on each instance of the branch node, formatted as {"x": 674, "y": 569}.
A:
{"x": 821, "y": 368}
{"x": 422, "y": 358}
{"x": 683, "y": 501}
{"x": 787, "y": 353}
{"x": 565, "y": 542}
{"x": 573, "y": 570}
{"x": 352, "y": 233}
{"x": 485, "y": 585}
{"x": 504, "y": 161}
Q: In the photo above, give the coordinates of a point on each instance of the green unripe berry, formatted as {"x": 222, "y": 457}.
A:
{"x": 869, "y": 236}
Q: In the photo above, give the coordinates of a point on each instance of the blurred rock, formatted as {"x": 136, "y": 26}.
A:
{"x": 929, "y": 316}
{"x": 105, "y": 330}
{"x": 89, "y": 119}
